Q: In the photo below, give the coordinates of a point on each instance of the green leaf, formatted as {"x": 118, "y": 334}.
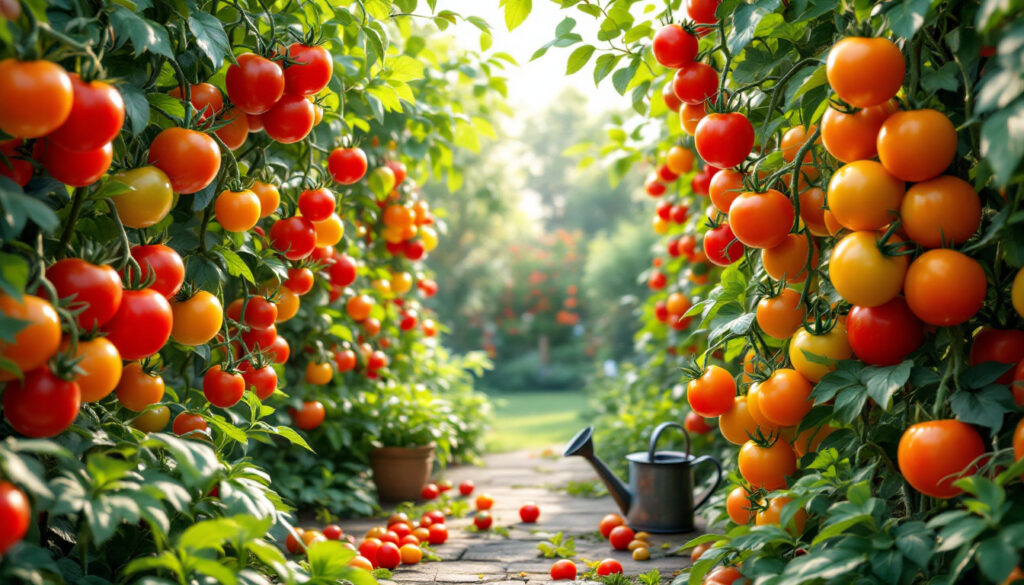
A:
{"x": 604, "y": 65}
{"x": 996, "y": 558}
{"x": 210, "y": 37}
{"x": 887, "y": 565}
{"x": 1002, "y": 141}
{"x": 578, "y": 59}
{"x": 915, "y": 541}
{"x": 14, "y": 273}
{"x": 882, "y": 383}
{"x": 293, "y": 436}
{"x": 960, "y": 532}
{"x": 516, "y": 12}
{"x": 907, "y": 17}
{"x": 136, "y": 107}
{"x": 985, "y": 407}
{"x": 622, "y": 78}
{"x": 746, "y": 18}
{"x": 404, "y": 68}
{"x": 145, "y": 35}
{"x": 229, "y": 430}
{"x": 235, "y": 265}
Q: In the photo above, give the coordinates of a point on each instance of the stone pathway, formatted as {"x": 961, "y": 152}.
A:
{"x": 514, "y": 479}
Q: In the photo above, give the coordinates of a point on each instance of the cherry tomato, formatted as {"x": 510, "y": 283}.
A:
{"x": 190, "y": 159}
{"x": 317, "y": 204}
{"x": 737, "y": 506}
{"x": 788, "y": 260}
{"x": 737, "y": 425}
{"x": 724, "y": 140}
{"x": 37, "y": 341}
{"x": 848, "y": 60}
{"x": 196, "y": 320}
{"x": 884, "y": 335}
{"x": 101, "y": 367}
{"x": 270, "y": 197}
{"x": 96, "y": 289}
{"x": 399, "y": 169}
{"x": 766, "y": 426}
{"x": 279, "y": 351}
{"x": 1004, "y": 346}
{"x": 862, "y": 195}
{"x": 695, "y": 82}
{"x": 75, "y": 168}
{"x": 287, "y": 304}
{"x": 332, "y": 532}
{"x": 690, "y": 116}
{"x": 236, "y": 131}
{"x": 721, "y": 245}
{"x": 343, "y": 271}
{"x": 934, "y": 454}
{"x": 310, "y": 72}
{"x": 222, "y": 388}
{"x": 1017, "y": 292}
{"x": 262, "y": 381}
{"x": 255, "y": 84}
{"x": 204, "y": 97}
{"x": 620, "y": 537}
{"x": 772, "y": 515}
{"x": 529, "y": 513}
{"x": 609, "y": 567}
{"x": 137, "y": 390}
{"x": 767, "y": 466}
{"x": 237, "y": 211}
{"x": 347, "y": 165}
{"x": 97, "y": 114}
{"x": 15, "y": 515}
{"x": 36, "y": 97}
{"x": 812, "y": 211}
{"x": 149, "y": 197}
{"x": 161, "y": 263}
{"x": 358, "y": 307}
{"x": 831, "y": 346}
{"x": 724, "y": 188}
{"x": 785, "y": 397}
{"x": 782, "y": 315}
{"x": 290, "y": 120}
{"x": 941, "y": 211}
{"x": 852, "y": 137}
{"x": 673, "y": 46}
{"x": 712, "y": 393}
{"x": 483, "y": 520}
{"x": 862, "y": 274}
{"x": 761, "y": 220}
{"x": 319, "y": 374}
{"x": 438, "y": 533}
{"x": 295, "y": 237}
{"x": 309, "y": 416}
{"x": 259, "y": 312}
{"x": 153, "y": 420}
{"x": 703, "y": 11}
{"x": 917, "y": 145}
{"x": 945, "y": 287}
{"x": 562, "y": 569}
{"x": 14, "y": 163}
{"x": 41, "y": 405}
{"x": 142, "y": 324}
{"x": 679, "y": 159}
{"x": 187, "y": 422}
{"x": 810, "y": 439}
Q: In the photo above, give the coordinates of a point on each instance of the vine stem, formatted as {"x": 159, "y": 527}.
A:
{"x": 77, "y": 199}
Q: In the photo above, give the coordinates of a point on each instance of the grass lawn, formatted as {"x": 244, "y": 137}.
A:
{"x": 527, "y": 420}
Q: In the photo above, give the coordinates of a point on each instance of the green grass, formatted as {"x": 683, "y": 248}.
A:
{"x": 528, "y": 420}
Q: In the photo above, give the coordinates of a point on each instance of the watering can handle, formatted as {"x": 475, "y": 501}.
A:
{"x": 657, "y": 434}
{"x": 718, "y": 477}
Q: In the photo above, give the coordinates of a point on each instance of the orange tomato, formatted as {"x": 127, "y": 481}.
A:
{"x": 941, "y": 211}
{"x": 917, "y": 145}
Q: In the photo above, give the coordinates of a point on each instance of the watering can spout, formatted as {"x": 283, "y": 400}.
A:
{"x": 583, "y": 445}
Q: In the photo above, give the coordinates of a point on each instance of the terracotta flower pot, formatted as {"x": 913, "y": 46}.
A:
{"x": 401, "y": 472}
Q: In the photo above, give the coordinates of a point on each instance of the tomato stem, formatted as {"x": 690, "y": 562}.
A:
{"x": 77, "y": 199}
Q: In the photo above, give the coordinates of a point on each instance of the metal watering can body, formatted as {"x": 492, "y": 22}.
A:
{"x": 659, "y": 497}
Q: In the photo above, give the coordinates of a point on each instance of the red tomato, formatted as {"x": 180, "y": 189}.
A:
{"x": 294, "y": 237}
{"x": 563, "y": 569}
{"x": 702, "y": 11}
{"x": 695, "y": 82}
{"x": 466, "y": 487}
{"x": 761, "y": 220}
{"x": 620, "y": 537}
{"x": 188, "y": 422}
{"x": 668, "y": 94}
{"x": 300, "y": 280}
{"x": 369, "y": 547}
{"x": 483, "y": 520}
{"x": 884, "y": 335}
{"x": 347, "y": 165}
{"x": 310, "y": 72}
{"x": 438, "y": 533}
{"x": 262, "y": 381}
{"x": 15, "y": 515}
{"x": 14, "y": 163}
{"x": 1005, "y": 346}
{"x": 529, "y": 513}
{"x": 163, "y": 264}
{"x": 673, "y": 46}
{"x": 317, "y": 204}
{"x": 279, "y": 351}
{"x": 255, "y": 84}
{"x": 190, "y": 159}
{"x": 724, "y": 140}
{"x": 223, "y": 389}
{"x": 142, "y": 324}
{"x": 609, "y": 567}
{"x": 721, "y": 246}
{"x": 290, "y": 120}
{"x": 41, "y": 405}
{"x": 398, "y": 168}
{"x": 430, "y": 492}
{"x": 343, "y": 271}
{"x": 712, "y": 393}
{"x": 696, "y": 423}
{"x": 332, "y": 532}
{"x": 97, "y": 113}
{"x": 310, "y": 416}
{"x": 345, "y": 360}
{"x": 235, "y": 132}
{"x": 96, "y": 288}
{"x": 934, "y": 454}
{"x": 204, "y": 97}
{"x": 36, "y": 97}
{"x": 75, "y": 168}
{"x": 388, "y": 555}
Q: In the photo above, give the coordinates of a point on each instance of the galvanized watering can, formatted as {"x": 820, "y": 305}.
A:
{"x": 659, "y": 497}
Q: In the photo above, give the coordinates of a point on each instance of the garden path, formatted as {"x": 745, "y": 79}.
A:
{"x": 514, "y": 479}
